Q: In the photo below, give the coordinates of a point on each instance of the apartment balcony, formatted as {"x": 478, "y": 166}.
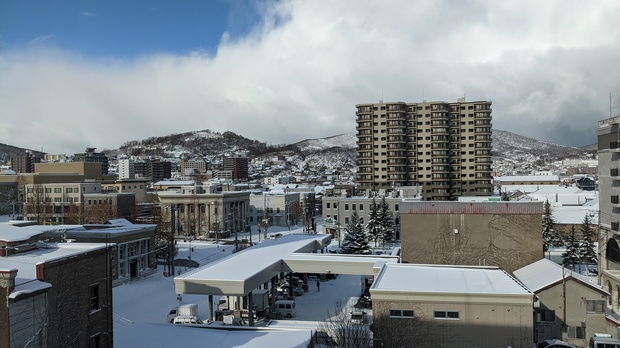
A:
{"x": 440, "y": 130}
{"x": 484, "y": 160}
{"x": 440, "y": 116}
{"x": 482, "y": 130}
{"x": 482, "y": 138}
{"x": 441, "y": 169}
{"x": 392, "y": 116}
{"x": 363, "y": 115}
{"x": 483, "y": 145}
{"x": 483, "y": 115}
{"x": 364, "y": 140}
{"x": 440, "y": 153}
{"x": 364, "y": 125}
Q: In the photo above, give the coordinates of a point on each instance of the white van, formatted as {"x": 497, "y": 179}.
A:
{"x": 285, "y": 308}
{"x": 603, "y": 341}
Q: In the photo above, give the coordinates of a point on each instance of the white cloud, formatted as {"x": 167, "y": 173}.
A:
{"x": 548, "y": 68}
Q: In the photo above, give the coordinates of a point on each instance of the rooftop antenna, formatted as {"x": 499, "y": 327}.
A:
{"x": 609, "y": 105}
{"x": 464, "y": 93}
{"x": 423, "y": 99}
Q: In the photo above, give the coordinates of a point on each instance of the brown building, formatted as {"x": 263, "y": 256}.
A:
{"x": 503, "y": 234}
{"x": 24, "y": 164}
{"x": 56, "y": 295}
{"x": 443, "y": 147}
{"x": 238, "y": 166}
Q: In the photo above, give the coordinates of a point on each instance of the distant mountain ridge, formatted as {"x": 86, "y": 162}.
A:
{"x": 339, "y": 148}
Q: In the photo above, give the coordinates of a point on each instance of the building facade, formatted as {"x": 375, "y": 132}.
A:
{"x": 76, "y": 281}
{"x": 503, "y": 234}
{"x": 238, "y": 166}
{"x": 571, "y": 306}
{"x": 445, "y": 147}
{"x": 442, "y": 308}
{"x": 126, "y": 169}
{"x": 608, "y": 135}
{"x": 91, "y": 156}
{"x": 201, "y": 214}
{"x": 337, "y": 212}
{"x": 153, "y": 170}
{"x": 24, "y": 164}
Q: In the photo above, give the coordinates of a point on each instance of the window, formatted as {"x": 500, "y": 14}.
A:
{"x": 543, "y": 315}
{"x": 57, "y": 190}
{"x": 346, "y": 207}
{"x": 596, "y": 306}
{"x": 94, "y": 297}
{"x": 450, "y": 315}
{"x": 95, "y": 341}
{"x": 69, "y": 190}
{"x": 327, "y": 205}
{"x": 401, "y": 313}
{"x": 576, "y": 332}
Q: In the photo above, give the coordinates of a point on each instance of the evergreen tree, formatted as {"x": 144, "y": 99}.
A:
{"x": 586, "y": 249}
{"x": 571, "y": 257}
{"x": 373, "y": 227}
{"x": 386, "y": 221}
{"x": 551, "y": 235}
{"x": 355, "y": 238}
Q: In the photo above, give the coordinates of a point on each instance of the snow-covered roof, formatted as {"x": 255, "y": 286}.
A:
{"x": 26, "y": 262}
{"x": 446, "y": 279}
{"x": 525, "y": 178}
{"x": 545, "y": 273}
{"x": 13, "y": 234}
{"x": 167, "y": 335}
{"x": 244, "y": 271}
{"x": 29, "y": 286}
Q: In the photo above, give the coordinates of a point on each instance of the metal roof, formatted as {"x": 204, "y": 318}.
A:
{"x": 242, "y": 272}
{"x": 491, "y": 208}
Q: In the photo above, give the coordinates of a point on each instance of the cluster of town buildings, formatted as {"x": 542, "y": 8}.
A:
{"x": 470, "y": 267}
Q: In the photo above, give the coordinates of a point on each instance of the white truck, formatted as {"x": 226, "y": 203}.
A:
{"x": 260, "y": 300}
{"x": 190, "y": 309}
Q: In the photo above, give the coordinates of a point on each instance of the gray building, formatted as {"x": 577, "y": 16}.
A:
{"x": 608, "y": 134}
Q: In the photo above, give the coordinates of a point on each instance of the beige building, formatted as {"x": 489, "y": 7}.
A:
{"x": 450, "y": 306}
{"x": 608, "y": 133}
{"x": 337, "y": 212}
{"x": 572, "y": 307}
{"x": 136, "y": 186}
{"x": 503, "y": 234}
{"x": 202, "y": 214}
{"x": 444, "y": 147}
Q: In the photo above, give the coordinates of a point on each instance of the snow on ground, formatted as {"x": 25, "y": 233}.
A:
{"x": 143, "y": 302}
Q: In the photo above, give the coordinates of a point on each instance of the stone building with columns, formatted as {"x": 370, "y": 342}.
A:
{"x": 203, "y": 214}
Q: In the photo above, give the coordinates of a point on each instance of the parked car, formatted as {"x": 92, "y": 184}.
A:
{"x": 553, "y": 343}
{"x": 284, "y": 289}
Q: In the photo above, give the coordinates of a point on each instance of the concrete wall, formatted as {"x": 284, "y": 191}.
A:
{"x": 479, "y": 325}
{"x": 507, "y": 241}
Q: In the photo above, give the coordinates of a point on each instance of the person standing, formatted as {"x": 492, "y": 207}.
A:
{"x": 318, "y": 286}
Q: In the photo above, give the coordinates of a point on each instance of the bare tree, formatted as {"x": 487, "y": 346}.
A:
{"x": 339, "y": 331}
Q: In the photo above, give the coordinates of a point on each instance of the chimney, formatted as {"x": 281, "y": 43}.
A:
{"x": 7, "y": 279}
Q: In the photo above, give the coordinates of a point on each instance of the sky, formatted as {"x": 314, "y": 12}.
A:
{"x": 77, "y": 74}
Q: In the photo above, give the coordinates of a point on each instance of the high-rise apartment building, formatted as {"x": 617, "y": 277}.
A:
{"x": 443, "y": 147}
